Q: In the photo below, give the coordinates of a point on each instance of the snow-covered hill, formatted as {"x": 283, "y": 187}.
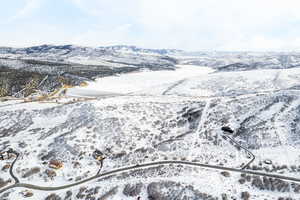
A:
{"x": 121, "y": 55}
{"x": 242, "y": 61}
{"x": 154, "y": 116}
{"x": 74, "y": 64}
{"x": 109, "y": 56}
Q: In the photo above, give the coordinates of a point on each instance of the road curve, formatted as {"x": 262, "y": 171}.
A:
{"x": 249, "y": 152}
{"x": 125, "y": 169}
{"x": 12, "y": 166}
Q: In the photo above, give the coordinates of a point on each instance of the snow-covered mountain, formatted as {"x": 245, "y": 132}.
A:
{"x": 233, "y": 61}
{"x": 154, "y": 127}
{"x": 129, "y": 55}
{"x": 75, "y": 64}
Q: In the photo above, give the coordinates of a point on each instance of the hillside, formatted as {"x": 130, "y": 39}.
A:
{"x": 72, "y": 64}
{"x": 161, "y": 136}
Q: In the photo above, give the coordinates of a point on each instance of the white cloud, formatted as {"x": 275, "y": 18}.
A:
{"x": 29, "y": 7}
{"x": 203, "y": 24}
{"x": 183, "y": 24}
{"x": 100, "y": 36}
{"x": 216, "y": 24}
{"x": 26, "y": 10}
{"x": 109, "y": 8}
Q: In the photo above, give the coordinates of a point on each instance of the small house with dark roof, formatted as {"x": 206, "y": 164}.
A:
{"x": 98, "y": 155}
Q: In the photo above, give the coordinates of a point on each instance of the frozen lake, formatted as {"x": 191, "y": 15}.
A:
{"x": 137, "y": 81}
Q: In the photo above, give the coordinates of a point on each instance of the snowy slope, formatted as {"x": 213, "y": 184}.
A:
{"x": 233, "y": 83}
{"x": 130, "y": 131}
{"x": 151, "y": 116}
{"x": 139, "y": 81}
{"x": 73, "y": 64}
{"x": 241, "y": 61}
{"x": 107, "y": 56}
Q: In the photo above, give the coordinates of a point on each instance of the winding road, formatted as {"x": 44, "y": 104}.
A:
{"x": 144, "y": 165}
{"x": 12, "y": 166}
{"x": 249, "y": 152}
{"x": 99, "y": 175}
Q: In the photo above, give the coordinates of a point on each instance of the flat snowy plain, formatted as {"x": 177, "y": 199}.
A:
{"x": 137, "y": 81}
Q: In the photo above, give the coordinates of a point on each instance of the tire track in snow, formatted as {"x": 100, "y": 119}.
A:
{"x": 173, "y": 86}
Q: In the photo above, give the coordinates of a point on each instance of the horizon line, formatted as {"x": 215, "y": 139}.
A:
{"x": 147, "y": 48}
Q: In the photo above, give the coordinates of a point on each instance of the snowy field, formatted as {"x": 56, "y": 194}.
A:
{"x": 151, "y": 116}
{"x": 138, "y": 81}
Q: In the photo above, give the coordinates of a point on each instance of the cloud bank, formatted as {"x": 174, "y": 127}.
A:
{"x": 231, "y": 25}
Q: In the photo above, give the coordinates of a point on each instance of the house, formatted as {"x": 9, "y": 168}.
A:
{"x": 98, "y": 155}
{"x": 55, "y": 164}
{"x": 227, "y": 129}
{"x": 5, "y": 155}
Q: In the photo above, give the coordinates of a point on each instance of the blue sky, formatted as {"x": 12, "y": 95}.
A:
{"x": 183, "y": 24}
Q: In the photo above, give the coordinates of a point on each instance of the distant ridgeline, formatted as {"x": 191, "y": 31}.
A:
{"x": 46, "y": 68}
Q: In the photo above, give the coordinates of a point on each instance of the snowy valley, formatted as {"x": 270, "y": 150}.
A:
{"x": 123, "y": 122}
